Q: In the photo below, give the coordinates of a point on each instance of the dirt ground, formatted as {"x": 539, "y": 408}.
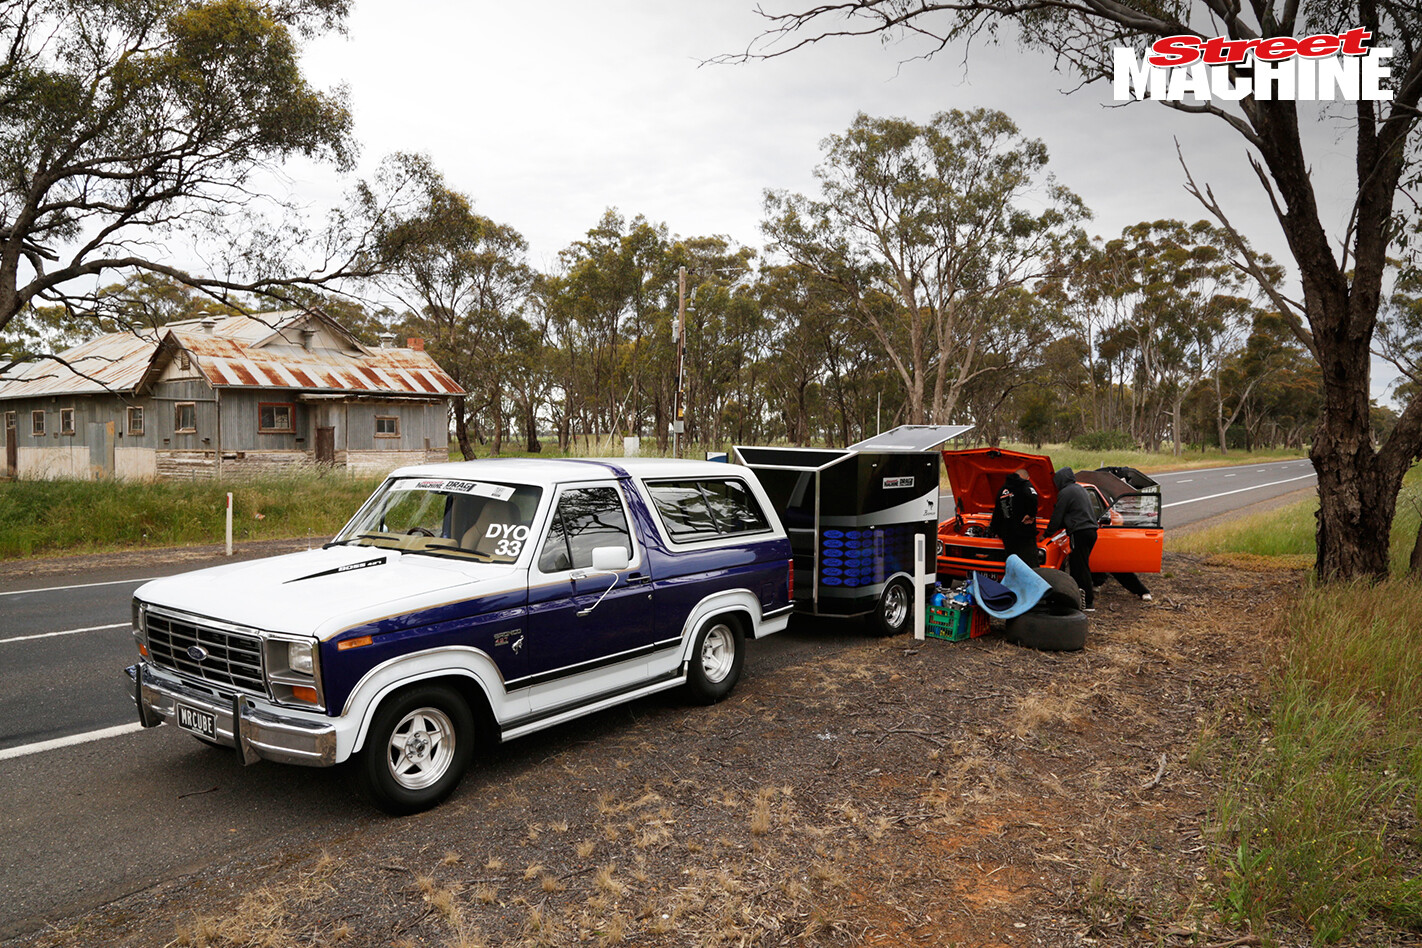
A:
{"x": 879, "y": 792}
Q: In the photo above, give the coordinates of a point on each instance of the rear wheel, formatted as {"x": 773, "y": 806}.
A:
{"x": 894, "y": 613}
{"x": 419, "y": 745}
{"x": 716, "y": 660}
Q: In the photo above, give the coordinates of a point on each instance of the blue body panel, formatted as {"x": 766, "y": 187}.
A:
{"x": 488, "y": 623}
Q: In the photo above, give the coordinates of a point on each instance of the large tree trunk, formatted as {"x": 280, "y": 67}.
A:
{"x": 461, "y": 432}
{"x": 1357, "y": 493}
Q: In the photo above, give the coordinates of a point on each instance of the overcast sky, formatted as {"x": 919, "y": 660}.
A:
{"x": 547, "y": 114}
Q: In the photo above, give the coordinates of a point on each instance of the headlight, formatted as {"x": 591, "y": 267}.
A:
{"x": 136, "y": 610}
{"x": 298, "y": 658}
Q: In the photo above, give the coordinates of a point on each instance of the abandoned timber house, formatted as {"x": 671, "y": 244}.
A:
{"x": 225, "y": 395}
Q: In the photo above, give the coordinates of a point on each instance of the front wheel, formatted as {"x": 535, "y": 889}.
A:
{"x": 894, "y": 614}
{"x": 716, "y": 660}
{"x": 418, "y": 748}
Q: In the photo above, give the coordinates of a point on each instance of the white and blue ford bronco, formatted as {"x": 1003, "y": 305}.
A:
{"x": 464, "y": 602}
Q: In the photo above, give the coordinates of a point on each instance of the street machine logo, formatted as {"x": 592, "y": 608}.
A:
{"x": 1327, "y": 66}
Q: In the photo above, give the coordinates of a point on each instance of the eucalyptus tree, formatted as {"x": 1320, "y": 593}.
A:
{"x": 934, "y": 218}
{"x": 129, "y": 128}
{"x": 460, "y": 274}
{"x": 1341, "y": 268}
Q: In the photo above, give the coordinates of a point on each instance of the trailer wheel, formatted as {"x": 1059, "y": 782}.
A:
{"x": 894, "y": 613}
{"x": 1057, "y": 630}
{"x": 1065, "y": 593}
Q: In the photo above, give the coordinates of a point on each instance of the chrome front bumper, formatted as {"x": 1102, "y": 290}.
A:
{"x": 256, "y": 733}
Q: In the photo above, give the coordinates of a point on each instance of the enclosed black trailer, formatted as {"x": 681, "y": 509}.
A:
{"x": 852, "y": 515}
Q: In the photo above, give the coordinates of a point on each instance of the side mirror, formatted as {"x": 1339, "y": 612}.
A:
{"x": 610, "y": 558}
{"x": 1104, "y": 520}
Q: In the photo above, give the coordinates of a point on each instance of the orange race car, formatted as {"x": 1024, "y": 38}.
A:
{"x": 1129, "y": 536}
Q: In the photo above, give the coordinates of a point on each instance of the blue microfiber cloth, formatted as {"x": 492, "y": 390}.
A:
{"x": 1021, "y": 589}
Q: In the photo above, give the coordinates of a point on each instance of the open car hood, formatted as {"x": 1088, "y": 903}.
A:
{"x": 976, "y": 477}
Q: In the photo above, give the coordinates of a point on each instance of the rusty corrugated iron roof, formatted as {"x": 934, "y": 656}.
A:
{"x": 261, "y": 351}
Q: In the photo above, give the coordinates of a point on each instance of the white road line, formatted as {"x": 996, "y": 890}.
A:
{"x": 1231, "y": 475}
{"x": 112, "y": 582}
{"x": 50, "y": 635}
{"x": 27, "y": 749}
{"x": 1239, "y": 490}
{"x": 1185, "y": 481}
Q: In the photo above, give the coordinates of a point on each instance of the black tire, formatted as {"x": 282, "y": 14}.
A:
{"x": 1056, "y": 630}
{"x": 893, "y": 613}
{"x": 716, "y": 660}
{"x": 438, "y": 719}
{"x": 1064, "y": 594}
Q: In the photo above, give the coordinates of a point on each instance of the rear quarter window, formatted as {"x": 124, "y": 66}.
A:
{"x": 706, "y": 509}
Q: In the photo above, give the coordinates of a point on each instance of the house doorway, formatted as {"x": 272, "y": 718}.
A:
{"x": 12, "y": 450}
{"x": 325, "y": 445}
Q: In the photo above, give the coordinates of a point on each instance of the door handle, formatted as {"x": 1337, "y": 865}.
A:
{"x": 638, "y": 579}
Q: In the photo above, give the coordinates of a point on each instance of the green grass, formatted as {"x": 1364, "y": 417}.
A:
{"x": 68, "y": 517}
{"x": 1319, "y": 814}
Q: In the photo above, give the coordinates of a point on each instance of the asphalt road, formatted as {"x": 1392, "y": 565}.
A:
{"x": 96, "y": 808}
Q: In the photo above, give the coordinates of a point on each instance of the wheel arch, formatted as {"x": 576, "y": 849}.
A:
{"x": 739, "y": 604}
{"x": 470, "y": 672}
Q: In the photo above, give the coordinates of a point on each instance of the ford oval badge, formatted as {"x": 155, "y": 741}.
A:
{"x": 197, "y": 653}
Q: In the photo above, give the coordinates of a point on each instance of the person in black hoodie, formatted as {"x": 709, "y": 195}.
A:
{"x": 1014, "y": 517}
{"x": 1074, "y": 514}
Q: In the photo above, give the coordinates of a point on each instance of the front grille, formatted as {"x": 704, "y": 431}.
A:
{"x": 234, "y": 659}
{"x": 986, "y": 554}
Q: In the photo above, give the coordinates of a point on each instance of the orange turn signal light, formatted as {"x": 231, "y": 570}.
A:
{"x": 344, "y": 644}
{"x": 302, "y": 693}
{"x": 142, "y": 650}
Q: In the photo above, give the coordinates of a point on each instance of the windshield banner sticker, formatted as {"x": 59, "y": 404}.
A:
{"x": 492, "y": 491}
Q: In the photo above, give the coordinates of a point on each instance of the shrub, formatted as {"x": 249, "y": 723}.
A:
{"x": 1103, "y": 441}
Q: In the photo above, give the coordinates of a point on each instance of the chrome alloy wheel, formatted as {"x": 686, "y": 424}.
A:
{"x": 421, "y": 748}
{"x": 718, "y": 653}
{"x": 895, "y": 605}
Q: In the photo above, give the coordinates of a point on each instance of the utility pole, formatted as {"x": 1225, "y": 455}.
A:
{"x": 679, "y": 337}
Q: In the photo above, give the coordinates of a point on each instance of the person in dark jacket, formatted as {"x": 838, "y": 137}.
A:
{"x": 1075, "y": 514}
{"x": 1014, "y": 517}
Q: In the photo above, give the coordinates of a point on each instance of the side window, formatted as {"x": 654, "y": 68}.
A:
{"x": 702, "y": 510}
{"x": 735, "y": 510}
{"x": 586, "y": 518}
{"x": 683, "y": 509}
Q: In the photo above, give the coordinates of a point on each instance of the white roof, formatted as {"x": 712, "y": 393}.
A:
{"x": 562, "y": 470}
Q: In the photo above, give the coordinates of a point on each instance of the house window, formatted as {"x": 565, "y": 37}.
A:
{"x": 387, "y": 426}
{"x": 66, "y": 421}
{"x": 135, "y": 420}
{"x": 37, "y": 423}
{"x": 276, "y": 418}
{"x": 185, "y": 360}
{"x": 185, "y": 418}
{"x": 10, "y": 421}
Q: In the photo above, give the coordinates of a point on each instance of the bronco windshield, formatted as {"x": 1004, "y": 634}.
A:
{"x": 477, "y": 520}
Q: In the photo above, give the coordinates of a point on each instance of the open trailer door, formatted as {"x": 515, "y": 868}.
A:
{"x": 852, "y": 516}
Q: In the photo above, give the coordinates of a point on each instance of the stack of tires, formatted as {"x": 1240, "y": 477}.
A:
{"x": 1056, "y": 623}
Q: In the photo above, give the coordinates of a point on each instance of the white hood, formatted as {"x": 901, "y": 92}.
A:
{"x": 321, "y": 592}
